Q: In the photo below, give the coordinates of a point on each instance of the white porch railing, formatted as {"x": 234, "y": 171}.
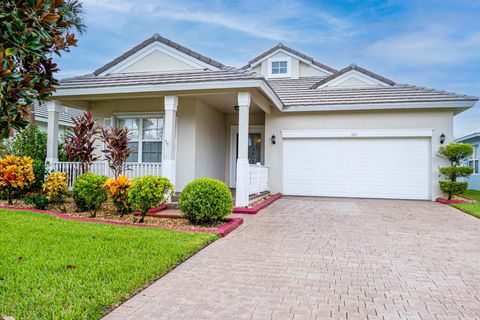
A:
{"x": 258, "y": 179}
{"x": 132, "y": 170}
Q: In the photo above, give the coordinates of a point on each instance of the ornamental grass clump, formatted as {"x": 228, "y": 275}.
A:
{"x": 118, "y": 192}
{"x": 206, "y": 201}
{"x": 89, "y": 192}
{"x": 16, "y": 175}
{"x": 455, "y": 153}
{"x": 149, "y": 192}
{"x": 55, "y": 187}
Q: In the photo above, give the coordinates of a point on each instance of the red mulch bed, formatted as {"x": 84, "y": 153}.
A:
{"x": 259, "y": 205}
{"x": 455, "y": 199}
{"x": 107, "y": 215}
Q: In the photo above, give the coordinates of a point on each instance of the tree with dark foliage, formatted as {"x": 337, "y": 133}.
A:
{"x": 31, "y": 32}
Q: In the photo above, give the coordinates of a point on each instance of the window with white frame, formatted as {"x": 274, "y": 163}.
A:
{"x": 146, "y": 136}
{"x": 279, "y": 67}
{"x": 473, "y": 159}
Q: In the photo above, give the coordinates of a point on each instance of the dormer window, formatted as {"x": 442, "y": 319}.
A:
{"x": 279, "y": 67}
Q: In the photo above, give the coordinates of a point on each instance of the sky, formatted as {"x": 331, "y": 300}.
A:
{"x": 429, "y": 43}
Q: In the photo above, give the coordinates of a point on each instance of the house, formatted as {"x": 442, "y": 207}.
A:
{"x": 285, "y": 122}
{"x": 473, "y": 139}
{"x": 64, "y": 121}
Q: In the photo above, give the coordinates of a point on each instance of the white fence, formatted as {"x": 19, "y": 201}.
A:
{"x": 258, "y": 179}
{"x": 132, "y": 170}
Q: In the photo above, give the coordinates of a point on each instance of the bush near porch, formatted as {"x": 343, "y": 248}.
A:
{"x": 59, "y": 269}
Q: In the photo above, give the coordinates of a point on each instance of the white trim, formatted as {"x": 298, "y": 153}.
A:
{"x": 369, "y": 81}
{"x": 208, "y": 85}
{"x": 137, "y": 115}
{"x": 468, "y": 136}
{"x": 140, "y": 116}
{"x": 233, "y": 149}
{"x": 464, "y": 104}
{"x": 279, "y": 75}
{"x": 308, "y": 62}
{"x": 356, "y": 133}
{"x": 158, "y": 46}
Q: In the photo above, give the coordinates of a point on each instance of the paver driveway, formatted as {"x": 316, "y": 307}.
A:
{"x": 326, "y": 258}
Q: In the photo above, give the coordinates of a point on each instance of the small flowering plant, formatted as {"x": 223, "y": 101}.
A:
{"x": 16, "y": 174}
{"x": 36, "y": 199}
{"x": 56, "y": 187}
{"x": 118, "y": 191}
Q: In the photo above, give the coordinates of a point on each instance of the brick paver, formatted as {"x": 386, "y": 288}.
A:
{"x": 326, "y": 258}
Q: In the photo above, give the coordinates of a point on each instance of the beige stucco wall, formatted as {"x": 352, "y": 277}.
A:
{"x": 210, "y": 136}
{"x": 201, "y": 134}
{"x": 441, "y": 121}
{"x": 157, "y": 62}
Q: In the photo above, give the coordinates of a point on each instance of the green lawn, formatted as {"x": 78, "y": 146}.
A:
{"x": 470, "y": 208}
{"x": 52, "y": 268}
{"x": 472, "y": 194}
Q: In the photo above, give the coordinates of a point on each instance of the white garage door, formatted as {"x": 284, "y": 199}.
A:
{"x": 357, "y": 167}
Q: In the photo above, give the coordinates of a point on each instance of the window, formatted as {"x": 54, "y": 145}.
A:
{"x": 279, "y": 67}
{"x": 146, "y": 136}
{"x": 473, "y": 159}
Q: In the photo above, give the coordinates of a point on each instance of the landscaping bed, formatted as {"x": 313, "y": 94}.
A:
{"x": 258, "y": 205}
{"x": 168, "y": 219}
{"x": 56, "y": 268}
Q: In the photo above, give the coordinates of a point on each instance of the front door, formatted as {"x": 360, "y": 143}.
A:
{"x": 255, "y": 149}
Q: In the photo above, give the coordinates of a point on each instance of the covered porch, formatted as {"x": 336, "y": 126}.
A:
{"x": 178, "y": 135}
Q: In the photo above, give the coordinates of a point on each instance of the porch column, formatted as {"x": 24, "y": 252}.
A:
{"x": 169, "y": 162}
{"x": 54, "y": 108}
{"x": 243, "y": 168}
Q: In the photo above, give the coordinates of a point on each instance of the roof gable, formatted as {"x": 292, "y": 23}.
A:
{"x": 291, "y": 52}
{"x": 353, "y": 76}
{"x": 158, "y": 54}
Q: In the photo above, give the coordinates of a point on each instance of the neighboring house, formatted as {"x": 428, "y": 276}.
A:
{"x": 314, "y": 131}
{"x": 64, "y": 121}
{"x": 473, "y": 139}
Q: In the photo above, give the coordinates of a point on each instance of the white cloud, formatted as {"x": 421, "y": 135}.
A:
{"x": 266, "y": 22}
{"x": 431, "y": 46}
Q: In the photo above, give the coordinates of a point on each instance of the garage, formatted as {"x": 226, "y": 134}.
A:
{"x": 364, "y": 164}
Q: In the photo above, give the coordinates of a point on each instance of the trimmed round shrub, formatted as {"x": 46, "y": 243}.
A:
{"x": 89, "y": 192}
{"x": 149, "y": 192}
{"x": 205, "y": 201}
{"x": 453, "y": 188}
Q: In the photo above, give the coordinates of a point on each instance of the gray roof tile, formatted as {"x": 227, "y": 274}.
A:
{"x": 133, "y": 79}
{"x": 159, "y": 38}
{"x": 299, "y": 92}
{"x": 292, "y": 51}
{"x": 66, "y": 116}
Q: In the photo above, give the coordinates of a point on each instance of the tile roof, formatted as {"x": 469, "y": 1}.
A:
{"x": 66, "y": 116}
{"x": 350, "y": 68}
{"x": 299, "y": 92}
{"x": 292, "y": 51}
{"x": 159, "y": 38}
{"x": 137, "y": 79}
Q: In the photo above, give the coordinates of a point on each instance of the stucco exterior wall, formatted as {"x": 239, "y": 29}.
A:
{"x": 157, "y": 62}
{"x": 441, "y": 121}
{"x": 210, "y": 136}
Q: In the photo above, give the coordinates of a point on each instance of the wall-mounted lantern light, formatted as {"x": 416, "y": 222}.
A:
{"x": 274, "y": 139}
{"x": 442, "y": 138}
